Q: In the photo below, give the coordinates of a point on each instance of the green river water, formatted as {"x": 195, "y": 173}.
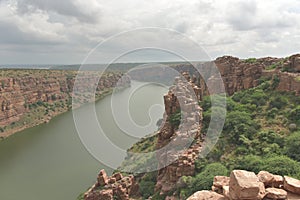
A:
{"x": 49, "y": 162}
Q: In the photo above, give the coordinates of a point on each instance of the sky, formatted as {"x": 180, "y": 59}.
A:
{"x": 65, "y": 31}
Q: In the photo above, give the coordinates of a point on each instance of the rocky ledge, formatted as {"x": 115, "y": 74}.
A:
{"x": 245, "y": 185}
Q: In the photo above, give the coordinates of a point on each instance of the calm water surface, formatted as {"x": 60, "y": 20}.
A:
{"x": 48, "y": 162}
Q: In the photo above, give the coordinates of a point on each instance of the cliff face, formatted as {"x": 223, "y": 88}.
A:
{"x": 179, "y": 98}
{"x": 23, "y": 90}
{"x": 237, "y": 75}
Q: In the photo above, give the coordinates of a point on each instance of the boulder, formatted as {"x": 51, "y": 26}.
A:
{"x": 291, "y": 184}
{"x": 275, "y": 193}
{"x": 278, "y": 181}
{"x": 266, "y": 177}
{"x": 244, "y": 185}
{"x": 220, "y": 181}
{"x": 206, "y": 195}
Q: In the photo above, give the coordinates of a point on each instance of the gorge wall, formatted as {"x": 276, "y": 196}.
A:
{"x": 22, "y": 92}
{"x": 237, "y": 75}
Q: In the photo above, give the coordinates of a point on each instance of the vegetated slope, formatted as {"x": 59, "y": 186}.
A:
{"x": 259, "y": 119}
{"x": 261, "y": 132}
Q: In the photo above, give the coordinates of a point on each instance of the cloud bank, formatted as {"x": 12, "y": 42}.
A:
{"x": 63, "y": 32}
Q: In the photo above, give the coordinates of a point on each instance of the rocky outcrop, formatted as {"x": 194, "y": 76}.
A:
{"x": 237, "y": 75}
{"x": 110, "y": 188}
{"x": 184, "y": 97}
{"x": 23, "y": 89}
{"x": 245, "y": 185}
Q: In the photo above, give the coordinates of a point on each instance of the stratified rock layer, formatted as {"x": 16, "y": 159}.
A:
{"x": 20, "y": 89}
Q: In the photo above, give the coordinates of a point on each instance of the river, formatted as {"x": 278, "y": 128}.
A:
{"x": 49, "y": 162}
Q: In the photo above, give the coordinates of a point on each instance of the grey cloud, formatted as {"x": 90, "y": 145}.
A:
{"x": 62, "y": 7}
{"x": 11, "y": 34}
{"x": 245, "y": 16}
{"x": 241, "y": 14}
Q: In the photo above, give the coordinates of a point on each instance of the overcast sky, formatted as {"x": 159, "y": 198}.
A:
{"x": 64, "y": 31}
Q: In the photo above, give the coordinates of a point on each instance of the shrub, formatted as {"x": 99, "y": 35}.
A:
{"x": 295, "y": 114}
{"x": 175, "y": 119}
{"x": 147, "y": 184}
{"x": 250, "y": 60}
{"x": 238, "y": 123}
{"x": 282, "y": 165}
{"x": 278, "y": 102}
{"x": 292, "y": 146}
{"x": 204, "y": 180}
{"x": 275, "y": 81}
{"x": 146, "y": 188}
{"x": 250, "y": 163}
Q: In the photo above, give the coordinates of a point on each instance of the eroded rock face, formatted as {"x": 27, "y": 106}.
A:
{"x": 112, "y": 187}
{"x": 291, "y": 184}
{"x": 182, "y": 96}
{"x": 244, "y": 185}
{"x": 32, "y": 87}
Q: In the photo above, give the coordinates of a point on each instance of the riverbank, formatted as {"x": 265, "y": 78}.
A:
{"x": 32, "y": 97}
{"x": 46, "y": 118}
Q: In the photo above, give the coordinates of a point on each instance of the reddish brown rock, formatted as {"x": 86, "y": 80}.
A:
{"x": 206, "y": 195}
{"x": 278, "y": 181}
{"x": 244, "y": 185}
{"x": 266, "y": 177}
{"x": 116, "y": 186}
{"x": 100, "y": 195}
{"x": 292, "y": 196}
{"x": 220, "y": 181}
{"x": 102, "y": 178}
{"x": 275, "y": 193}
{"x": 291, "y": 184}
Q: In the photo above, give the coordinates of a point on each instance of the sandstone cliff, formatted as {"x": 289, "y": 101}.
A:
{"x": 30, "y": 97}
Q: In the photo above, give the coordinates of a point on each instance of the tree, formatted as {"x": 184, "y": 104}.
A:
{"x": 238, "y": 123}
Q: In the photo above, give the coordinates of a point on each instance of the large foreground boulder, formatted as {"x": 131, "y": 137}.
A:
{"x": 245, "y": 185}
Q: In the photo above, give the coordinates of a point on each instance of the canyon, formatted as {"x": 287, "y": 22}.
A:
{"x": 32, "y": 97}
{"x": 237, "y": 75}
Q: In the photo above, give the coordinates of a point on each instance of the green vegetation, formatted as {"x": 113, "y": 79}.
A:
{"x": 257, "y": 135}
{"x": 147, "y": 184}
{"x": 250, "y": 60}
{"x": 203, "y": 180}
{"x": 297, "y": 79}
{"x": 271, "y": 67}
{"x": 175, "y": 119}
